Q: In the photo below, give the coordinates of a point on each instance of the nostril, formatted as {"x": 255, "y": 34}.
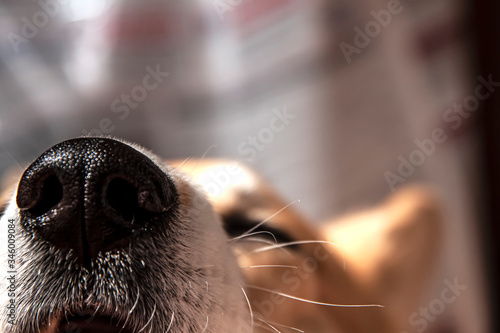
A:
{"x": 122, "y": 197}
{"x": 50, "y": 194}
{"x": 94, "y": 195}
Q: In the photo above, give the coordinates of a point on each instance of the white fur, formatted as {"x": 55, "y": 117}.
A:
{"x": 221, "y": 303}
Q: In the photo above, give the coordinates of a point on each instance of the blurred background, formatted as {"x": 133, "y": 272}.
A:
{"x": 337, "y": 103}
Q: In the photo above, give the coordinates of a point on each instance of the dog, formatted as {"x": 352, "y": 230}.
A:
{"x": 101, "y": 235}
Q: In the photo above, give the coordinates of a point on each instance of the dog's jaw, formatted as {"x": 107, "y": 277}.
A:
{"x": 190, "y": 283}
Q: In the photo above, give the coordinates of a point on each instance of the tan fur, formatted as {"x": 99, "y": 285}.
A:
{"x": 389, "y": 253}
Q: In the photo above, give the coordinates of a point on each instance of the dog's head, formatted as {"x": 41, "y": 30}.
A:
{"x": 103, "y": 236}
{"x": 99, "y": 235}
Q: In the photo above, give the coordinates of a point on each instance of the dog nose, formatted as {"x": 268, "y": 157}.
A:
{"x": 93, "y": 195}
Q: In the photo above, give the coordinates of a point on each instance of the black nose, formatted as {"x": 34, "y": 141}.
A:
{"x": 93, "y": 195}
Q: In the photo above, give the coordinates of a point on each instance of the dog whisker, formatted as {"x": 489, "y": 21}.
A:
{"x": 131, "y": 309}
{"x": 96, "y": 310}
{"x": 315, "y": 302}
{"x": 266, "y": 220}
{"x": 269, "y": 325}
{"x": 254, "y": 234}
{"x": 263, "y": 326}
{"x": 12, "y": 157}
{"x": 249, "y": 307}
{"x": 260, "y": 240}
{"x": 270, "y": 266}
{"x": 206, "y": 153}
{"x": 136, "y": 301}
{"x": 126, "y": 320}
{"x": 149, "y": 321}
{"x": 281, "y": 325}
{"x": 206, "y": 326}
{"x": 198, "y": 160}
{"x": 171, "y": 322}
{"x": 281, "y": 245}
{"x": 185, "y": 161}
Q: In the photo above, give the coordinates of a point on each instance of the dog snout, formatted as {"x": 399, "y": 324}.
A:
{"x": 93, "y": 195}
